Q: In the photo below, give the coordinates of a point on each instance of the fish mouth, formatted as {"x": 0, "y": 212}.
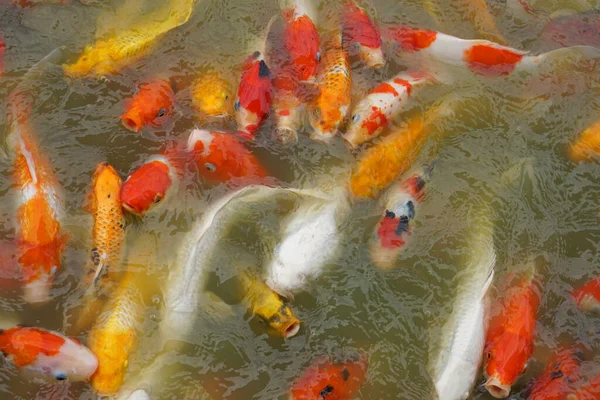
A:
{"x": 286, "y": 135}
{"x": 292, "y": 329}
{"x": 130, "y": 124}
{"x": 496, "y": 388}
{"x": 131, "y": 209}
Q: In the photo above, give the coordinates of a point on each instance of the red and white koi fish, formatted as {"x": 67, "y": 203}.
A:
{"x": 374, "y": 113}
{"x": 362, "y": 34}
{"x": 394, "y": 229}
{"x": 587, "y": 296}
{"x": 48, "y": 354}
{"x": 255, "y": 92}
{"x": 39, "y": 210}
{"x": 301, "y": 39}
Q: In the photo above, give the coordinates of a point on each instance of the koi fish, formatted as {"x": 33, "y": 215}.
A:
{"x": 39, "y": 212}
{"x": 254, "y": 95}
{"x": 287, "y": 104}
{"x": 2, "y": 51}
{"x": 152, "y": 102}
{"x": 393, "y": 230}
{"x": 301, "y": 39}
{"x": 149, "y": 185}
{"x": 587, "y": 296}
{"x": 362, "y": 32}
{"x": 221, "y": 157}
{"x": 587, "y": 145}
{"x": 456, "y": 367}
{"x": 325, "y": 379}
{"x": 374, "y": 113}
{"x": 589, "y": 391}
{"x": 212, "y": 95}
{"x": 109, "y": 225}
{"x": 509, "y": 342}
{"x": 329, "y": 109}
{"x": 311, "y": 239}
{"x": 269, "y": 306}
{"x": 560, "y": 376}
{"x": 47, "y": 354}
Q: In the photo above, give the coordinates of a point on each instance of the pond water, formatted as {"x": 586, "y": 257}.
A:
{"x": 503, "y": 145}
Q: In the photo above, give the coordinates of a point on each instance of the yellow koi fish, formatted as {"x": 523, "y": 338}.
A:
{"x": 587, "y": 145}
{"x": 213, "y": 95}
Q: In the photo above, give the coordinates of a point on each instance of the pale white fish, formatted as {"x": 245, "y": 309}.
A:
{"x": 455, "y": 368}
{"x": 311, "y": 240}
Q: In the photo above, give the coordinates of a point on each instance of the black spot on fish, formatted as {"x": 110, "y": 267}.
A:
{"x": 345, "y": 374}
{"x": 108, "y": 196}
{"x": 274, "y": 318}
{"x": 328, "y": 389}
{"x": 105, "y": 163}
{"x": 411, "y": 209}
{"x": 95, "y": 256}
{"x": 402, "y": 225}
{"x": 556, "y": 374}
{"x": 162, "y": 112}
{"x": 389, "y": 214}
{"x": 284, "y": 310}
{"x": 263, "y": 70}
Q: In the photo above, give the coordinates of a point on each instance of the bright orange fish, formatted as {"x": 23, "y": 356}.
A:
{"x": 361, "y": 31}
{"x": 221, "y": 157}
{"x": 331, "y": 106}
{"x": 587, "y": 297}
{"x": 587, "y": 146}
{"x": 589, "y": 391}
{"x": 509, "y": 342}
{"x": 48, "y": 354}
{"x": 40, "y": 239}
{"x": 301, "y": 41}
{"x": 560, "y": 377}
{"x": 149, "y": 106}
{"x": 327, "y": 380}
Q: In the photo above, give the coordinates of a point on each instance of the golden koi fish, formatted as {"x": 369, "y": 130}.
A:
{"x": 587, "y": 145}
{"x": 213, "y": 95}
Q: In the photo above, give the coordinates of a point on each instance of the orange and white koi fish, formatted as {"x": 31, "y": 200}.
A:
{"x": 221, "y": 157}
{"x": 587, "y": 146}
{"x": 329, "y": 380}
{"x": 393, "y": 230}
{"x": 109, "y": 225}
{"x": 362, "y": 32}
{"x": 151, "y": 184}
{"x": 47, "y": 354}
{"x": 255, "y": 92}
{"x": 509, "y": 342}
{"x": 151, "y": 104}
{"x": 301, "y": 39}
{"x": 329, "y": 109}
{"x": 39, "y": 212}
{"x": 375, "y": 112}
{"x": 560, "y": 377}
{"x": 587, "y": 296}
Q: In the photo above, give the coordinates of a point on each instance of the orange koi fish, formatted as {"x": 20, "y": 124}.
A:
{"x": 255, "y": 92}
{"x": 109, "y": 225}
{"x": 362, "y": 32}
{"x": 327, "y": 380}
{"x": 2, "y": 51}
{"x": 221, "y": 157}
{"x": 587, "y": 297}
{"x": 587, "y": 146}
{"x": 589, "y": 391}
{"x": 329, "y": 109}
{"x": 39, "y": 211}
{"x": 394, "y": 228}
{"x": 509, "y": 342}
{"x": 47, "y": 354}
{"x": 301, "y": 40}
{"x": 560, "y": 376}
{"x": 150, "y": 105}
{"x": 374, "y": 113}
{"x": 150, "y": 184}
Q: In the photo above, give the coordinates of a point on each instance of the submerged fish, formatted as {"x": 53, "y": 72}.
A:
{"x": 329, "y": 109}
{"x": 48, "y": 354}
{"x": 212, "y": 95}
{"x": 325, "y": 379}
{"x": 362, "y": 32}
{"x": 2, "y": 51}
{"x": 509, "y": 342}
{"x": 573, "y": 30}
{"x": 221, "y": 157}
{"x": 394, "y": 228}
{"x": 310, "y": 240}
{"x": 373, "y": 114}
{"x": 151, "y": 104}
{"x": 587, "y": 296}
{"x": 109, "y": 225}
{"x": 588, "y": 391}
{"x": 587, "y": 146}
{"x": 560, "y": 376}
{"x": 268, "y": 305}
{"x": 456, "y": 367}
{"x": 287, "y": 105}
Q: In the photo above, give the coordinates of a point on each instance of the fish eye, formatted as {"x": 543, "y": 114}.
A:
{"x": 237, "y": 105}
{"x": 489, "y": 355}
{"x": 226, "y": 97}
{"x": 318, "y": 56}
{"x": 158, "y": 198}
{"x": 355, "y": 117}
{"x": 162, "y": 112}
{"x": 61, "y": 376}
{"x": 210, "y": 167}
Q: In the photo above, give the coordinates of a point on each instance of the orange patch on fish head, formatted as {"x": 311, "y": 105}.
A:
{"x": 24, "y": 345}
{"x": 414, "y": 186}
{"x": 505, "y": 359}
{"x": 491, "y": 61}
{"x": 375, "y": 122}
{"x": 411, "y": 39}
{"x": 302, "y": 42}
{"x": 392, "y": 231}
{"x": 146, "y": 187}
{"x": 358, "y": 27}
{"x": 149, "y": 105}
{"x": 587, "y": 297}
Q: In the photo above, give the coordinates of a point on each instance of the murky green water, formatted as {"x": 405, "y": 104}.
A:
{"x": 505, "y": 145}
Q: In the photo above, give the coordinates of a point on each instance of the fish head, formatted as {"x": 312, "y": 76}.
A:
{"x": 112, "y": 350}
{"x": 105, "y": 182}
{"x": 587, "y": 146}
{"x": 414, "y": 186}
{"x": 505, "y": 359}
{"x": 90, "y": 57}
{"x": 254, "y": 97}
{"x": 372, "y": 57}
{"x": 326, "y": 116}
{"x": 366, "y": 122}
{"x": 288, "y": 114}
{"x": 73, "y": 362}
{"x": 302, "y": 42}
{"x": 410, "y": 39}
{"x": 587, "y": 296}
{"x": 212, "y": 95}
{"x": 147, "y": 186}
{"x": 278, "y": 315}
{"x": 150, "y": 106}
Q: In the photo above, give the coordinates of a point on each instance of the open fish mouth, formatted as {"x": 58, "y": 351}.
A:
{"x": 292, "y": 329}
{"x": 496, "y": 388}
